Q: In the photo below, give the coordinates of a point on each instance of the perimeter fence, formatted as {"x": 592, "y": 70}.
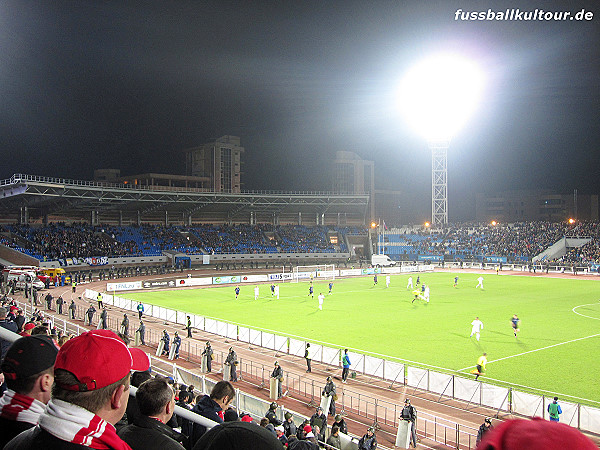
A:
{"x": 430, "y": 379}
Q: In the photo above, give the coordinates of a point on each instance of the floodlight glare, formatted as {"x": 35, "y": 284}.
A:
{"x": 438, "y": 95}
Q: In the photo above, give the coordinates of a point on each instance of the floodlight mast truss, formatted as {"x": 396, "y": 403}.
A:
{"x": 439, "y": 182}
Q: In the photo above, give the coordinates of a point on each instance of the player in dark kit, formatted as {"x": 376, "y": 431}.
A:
{"x": 374, "y": 280}
{"x": 455, "y": 281}
{"x": 515, "y": 324}
{"x": 237, "y": 292}
{"x": 311, "y": 291}
{"x": 330, "y": 286}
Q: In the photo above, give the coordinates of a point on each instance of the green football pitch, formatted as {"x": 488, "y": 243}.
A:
{"x": 556, "y": 350}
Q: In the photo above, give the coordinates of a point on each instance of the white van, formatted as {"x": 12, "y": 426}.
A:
{"x": 23, "y": 277}
{"x": 382, "y": 261}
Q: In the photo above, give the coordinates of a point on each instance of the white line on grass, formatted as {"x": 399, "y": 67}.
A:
{"x": 583, "y": 315}
{"x": 536, "y": 350}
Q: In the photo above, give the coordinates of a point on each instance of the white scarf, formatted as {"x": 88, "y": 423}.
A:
{"x": 20, "y": 408}
{"x": 74, "y": 424}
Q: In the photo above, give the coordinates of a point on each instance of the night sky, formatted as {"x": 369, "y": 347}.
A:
{"x": 86, "y": 85}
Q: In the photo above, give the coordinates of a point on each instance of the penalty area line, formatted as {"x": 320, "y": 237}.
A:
{"x": 536, "y": 350}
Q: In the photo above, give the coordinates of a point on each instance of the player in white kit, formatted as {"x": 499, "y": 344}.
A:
{"x": 477, "y": 326}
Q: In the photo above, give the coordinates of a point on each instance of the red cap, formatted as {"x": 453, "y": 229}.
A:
{"x": 246, "y": 418}
{"x": 29, "y": 326}
{"x": 99, "y": 358}
{"x": 307, "y": 428}
{"x": 534, "y": 434}
{"x": 13, "y": 308}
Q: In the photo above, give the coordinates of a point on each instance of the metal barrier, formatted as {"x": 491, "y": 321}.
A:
{"x": 447, "y": 385}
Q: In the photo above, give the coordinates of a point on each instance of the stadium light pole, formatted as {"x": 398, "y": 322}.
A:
{"x": 437, "y": 96}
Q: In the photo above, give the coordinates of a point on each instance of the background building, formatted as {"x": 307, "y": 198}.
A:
{"x": 523, "y": 205}
{"x": 354, "y": 175}
{"x": 218, "y": 161}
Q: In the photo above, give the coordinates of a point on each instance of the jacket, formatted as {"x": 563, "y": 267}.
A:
{"x": 10, "y": 326}
{"x": 272, "y": 417}
{"x": 334, "y": 441}
{"x": 320, "y": 421}
{"x": 208, "y": 408}
{"x": 11, "y": 428}
{"x": 409, "y": 413}
{"x": 341, "y": 425}
{"x": 367, "y": 443}
{"x": 289, "y": 428}
{"x": 36, "y": 439}
{"x": 148, "y": 434}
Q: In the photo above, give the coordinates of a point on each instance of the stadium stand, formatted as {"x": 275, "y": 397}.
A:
{"x": 57, "y": 241}
{"x": 515, "y": 242}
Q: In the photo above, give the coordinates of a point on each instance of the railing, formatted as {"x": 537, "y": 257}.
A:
{"x": 23, "y": 178}
{"x": 245, "y": 402}
{"x": 431, "y": 379}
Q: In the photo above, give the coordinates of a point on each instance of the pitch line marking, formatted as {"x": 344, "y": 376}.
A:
{"x": 536, "y": 350}
{"x": 583, "y": 315}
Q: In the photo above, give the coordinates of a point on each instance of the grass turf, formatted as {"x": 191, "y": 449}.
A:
{"x": 380, "y": 320}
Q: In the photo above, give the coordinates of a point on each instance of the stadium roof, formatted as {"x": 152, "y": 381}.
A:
{"x": 76, "y": 199}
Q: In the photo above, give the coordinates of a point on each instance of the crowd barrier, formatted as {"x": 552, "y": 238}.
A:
{"x": 243, "y": 402}
{"x": 447, "y": 385}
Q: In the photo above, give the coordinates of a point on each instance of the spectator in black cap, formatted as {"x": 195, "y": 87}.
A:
{"x": 238, "y": 435}
{"x": 89, "y": 395}
{"x": 156, "y": 401}
{"x": 29, "y": 371}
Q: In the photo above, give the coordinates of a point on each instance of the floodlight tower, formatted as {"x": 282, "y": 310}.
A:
{"x": 437, "y": 96}
{"x": 439, "y": 181}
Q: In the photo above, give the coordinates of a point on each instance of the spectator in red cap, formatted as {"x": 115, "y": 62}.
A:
{"x": 535, "y": 434}
{"x": 27, "y": 328}
{"x": 29, "y": 371}
{"x": 89, "y": 395}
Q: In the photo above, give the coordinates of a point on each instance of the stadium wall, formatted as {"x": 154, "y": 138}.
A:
{"x": 283, "y": 258}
